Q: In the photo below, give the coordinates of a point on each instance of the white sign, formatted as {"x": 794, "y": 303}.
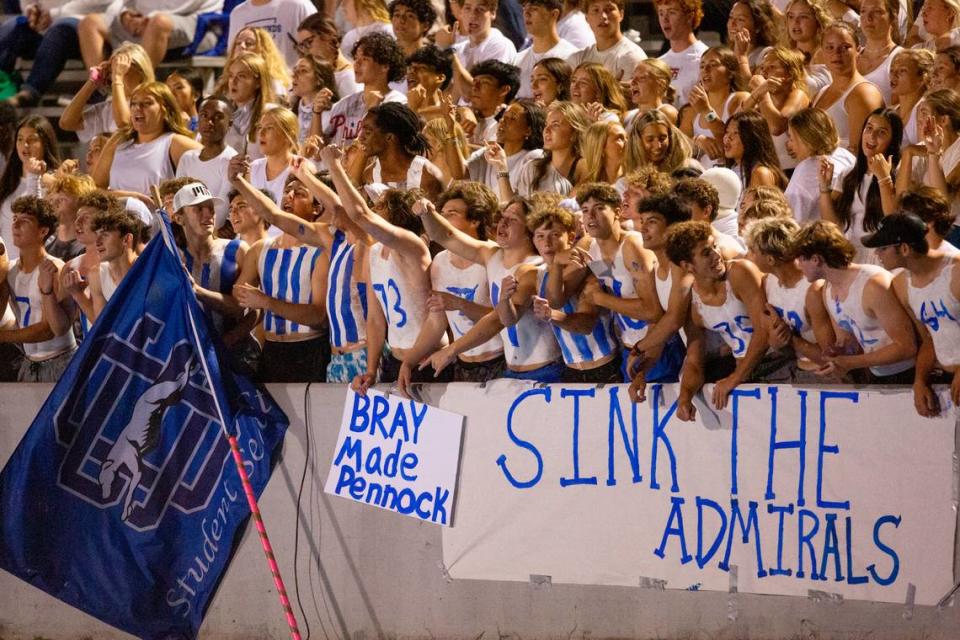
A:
{"x": 838, "y": 490}
{"x": 397, "y": 454}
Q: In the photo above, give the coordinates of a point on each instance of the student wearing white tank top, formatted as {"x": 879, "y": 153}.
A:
{"x": 461, "y": 293}
{"x": 849, "y": 98}
{"x": 395, "y": 151}
{"x": 662, "y": 341}
{"x": 117, "y": 236}
{"x": 624, "y": 268}
{"x": 46, "y": 355}
{"x": 148, "y": 151}
{"x": 530, "y": 349}
{"x": 928, "y": 287}
{"x": 728, "y": 298}
{"x": 861, "y": 302}
{"x": 792, "y": 301}
{"x": 590, "y": 350}
{"x": 277, "y": 136}
{"x": 285, "y": 280}
{"x": 399, "y": 276}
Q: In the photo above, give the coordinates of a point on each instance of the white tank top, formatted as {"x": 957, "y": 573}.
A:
{"x": 910, "y": 133}
{"x": 404, "y": 303}
{"x": 529, "y": 342}
{"x": 346, "y": 297}
{"x": 414, "y": 174}
{"x": 580, "y": 347}
{"x": 850, "y": 316}
{"x": 699, "y": 130}
{"x": 259, "y": 180}
{"x": 791, "y": 304}
{"x": 137, "y": 167}
{"x": 663, "y": 288}
{"x": 838, "y": 113}
{"x": 730, "y": 320}
{"x": 286, "y": 274}
{"x": 619, "y": 281}
{"x": 27, "y": 305}
{"x": 936, "y": 306}
{"x": 469, "y": 284}
{"x": 880, "y": 77}
{"x": 107, "y": 284}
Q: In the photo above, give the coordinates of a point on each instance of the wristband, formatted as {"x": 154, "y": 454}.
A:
{"x": 825, "y": 189}
{"x": 503, "y": 174}
{"x": 711, "y": 116}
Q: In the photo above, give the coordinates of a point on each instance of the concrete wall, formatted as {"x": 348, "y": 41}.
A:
{"x": 365, "y": 574}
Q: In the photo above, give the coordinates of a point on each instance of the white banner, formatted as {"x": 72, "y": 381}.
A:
{"x": 398, "y": 455}
{"x": 788, "y": 491}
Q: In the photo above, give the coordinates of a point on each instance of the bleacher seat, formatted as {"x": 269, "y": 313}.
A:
{"x": 219, "y": 22}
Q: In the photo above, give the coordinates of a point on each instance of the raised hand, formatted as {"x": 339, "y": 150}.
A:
{"x": 825, "y": 173}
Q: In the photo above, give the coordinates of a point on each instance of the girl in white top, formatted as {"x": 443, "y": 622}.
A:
{"x": 936, "y": 161}
{"x": 778, "y": 91}
{"x": 560, "y": 168}
{"x": 258, "y": 42}
{"x": 277, "y": 135}
{"x": 519, "y": 140}
{"x": 805, "y": 24}
{"x": 250, "y": 89}
{"x": 811, "y": 134}
{"x": 753, "y": 28}
{"x": 909, "y": 77}
{"x": 148, "y": 151}
{"x": 940, "y": 20}
{"x": 879, "y": 23}
{"x": 35, "y": 151}
{"x": 309, "y": 79}
{"x": 651, "y": 88}
{"x": 867, "y": 192}
{"x": 128, "y": 67}
{"x": 849, "y": 98}
{"x": 712, "y": 101}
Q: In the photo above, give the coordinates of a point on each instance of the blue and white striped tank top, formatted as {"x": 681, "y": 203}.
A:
{"x": 346, "y": 298}
{"x": 220, "y": 271}
{"x": 285, "y": 274}
{"x": 580, "y": 347}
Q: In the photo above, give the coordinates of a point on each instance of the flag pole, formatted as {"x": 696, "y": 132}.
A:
{"x": 237, "y": 458}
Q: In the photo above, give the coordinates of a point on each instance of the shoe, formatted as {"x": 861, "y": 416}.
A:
{"x": 23, "y": 99}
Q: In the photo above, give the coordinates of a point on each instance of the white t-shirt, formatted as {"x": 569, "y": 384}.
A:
{"x": 97, "y": 119}
{"x": 620, "y": 59}
{"x": 496, "y": 47}
{"x": 279, "y": 18}
{"x": 346, "y": 82}
{"x": 342, "y": 123}
{"x": 213, "y": 173}
{"x": 803, "y": 190}
{"x": 685, "y": 66}
{"x": 527, "y": 58}
{"x": 574, "y": 29}
{"x": 351, "y": 37}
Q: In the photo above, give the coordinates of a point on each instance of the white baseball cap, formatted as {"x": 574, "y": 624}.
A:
{"x": 727, "y": 184}
{"x": 193, "y": 194}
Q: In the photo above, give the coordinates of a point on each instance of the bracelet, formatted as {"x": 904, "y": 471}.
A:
{"x": 886, "y": 180}
{"x": 503, "y": 174}
{"x": 45, "y": 293}
{"x": 825, "y": 189}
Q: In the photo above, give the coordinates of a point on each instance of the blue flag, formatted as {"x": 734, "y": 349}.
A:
{"x": 122, "y": 498}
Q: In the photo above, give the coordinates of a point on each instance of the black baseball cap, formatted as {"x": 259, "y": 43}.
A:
{"x": 897, "y": 228}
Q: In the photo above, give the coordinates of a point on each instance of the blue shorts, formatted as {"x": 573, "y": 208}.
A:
{"x": 546, "y": 374}
{"x": 667, "y": 367}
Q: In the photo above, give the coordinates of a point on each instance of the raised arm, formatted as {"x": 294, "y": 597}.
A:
{"x": 406, "y": 243}
{"x": 450, "y": 238}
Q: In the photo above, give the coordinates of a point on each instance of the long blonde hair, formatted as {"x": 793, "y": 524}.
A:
{"x": 139, "y": 59}
{"x": 376, "y": 9}
{"x": 287, "y": 123}
{"x": 793, "y": 62}
{"x": 820, "y": 14}
{"x": 276, "y": 66}
{"x": 664, "y": 75}
{"x": 172, "y": 119}
{"x": 265, "y": 94}
{"x": 594, "y": 144}
{"x": 576, "y": 117}
{"x": 635, "y": 156}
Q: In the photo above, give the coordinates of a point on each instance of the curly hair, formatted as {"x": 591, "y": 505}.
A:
{"x": 437, "y": 59}
{"x": 505, "y": 75}
{"x": 383, "y": 50}
{"x": 400, "y": 120}
{"x": 699, "y": 192}
{"x": 683, "y": 238}
{"x": 930, "y": 205}
{"x": 423, "y": 9}
{"x": 772, "y": 236}
{"x": 601, "y": 192}
{"x": 39, "y": 209}
{"x": 117, "y": 220}
{"x": 551, "y": 216}
{"x": 820, "y": 15}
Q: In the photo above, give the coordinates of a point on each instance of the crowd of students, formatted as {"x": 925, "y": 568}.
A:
{"x": 382, "y": 195}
